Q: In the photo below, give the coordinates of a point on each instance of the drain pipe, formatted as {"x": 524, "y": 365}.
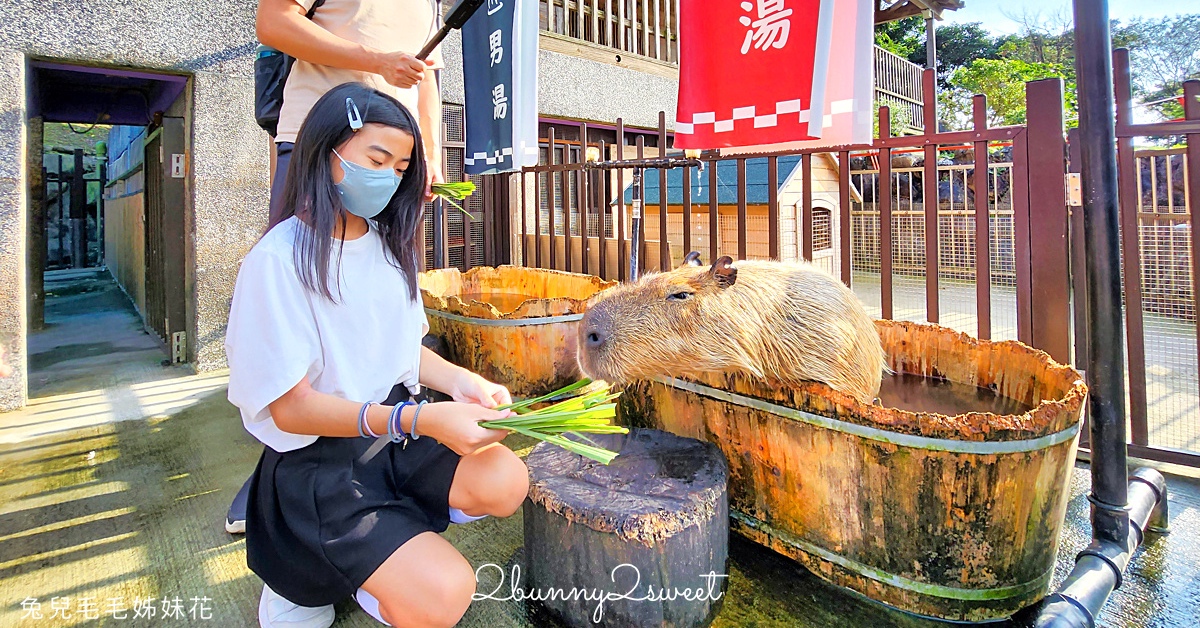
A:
{"x": 1098, "y": 568}
{"x": 1121, "y": 509}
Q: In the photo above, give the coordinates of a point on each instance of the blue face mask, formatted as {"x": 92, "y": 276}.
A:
{"x": 365, "y": 192}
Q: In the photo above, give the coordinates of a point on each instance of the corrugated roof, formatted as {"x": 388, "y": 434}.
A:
{"x": 756, "y": 182}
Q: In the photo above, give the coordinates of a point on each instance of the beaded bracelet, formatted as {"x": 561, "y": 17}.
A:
{"x": 362, "y": 420}
{"x": 412, "y": 430}
{"x": 395, "y": 431}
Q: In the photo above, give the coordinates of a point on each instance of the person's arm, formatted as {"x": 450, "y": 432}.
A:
{"x": 462, "y": 385}
{"x": 429, "y": 106}
{"x": 282, "y": 24}
{"x": 303, "y": 410}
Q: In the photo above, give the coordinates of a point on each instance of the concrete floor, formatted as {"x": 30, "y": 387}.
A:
{"x": 124, "y": 508}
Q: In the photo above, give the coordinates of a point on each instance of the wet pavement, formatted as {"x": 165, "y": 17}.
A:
{"x": 128, "y": 507}
{"x": 134, "y": 509}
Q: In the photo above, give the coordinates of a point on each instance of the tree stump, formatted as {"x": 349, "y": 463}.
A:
{"x": 640, "y": 542}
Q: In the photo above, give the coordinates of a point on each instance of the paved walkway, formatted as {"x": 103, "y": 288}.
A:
{"x": 94, "y": 364}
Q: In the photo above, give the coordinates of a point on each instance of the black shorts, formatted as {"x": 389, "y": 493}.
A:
{"x": 321, "y": 520}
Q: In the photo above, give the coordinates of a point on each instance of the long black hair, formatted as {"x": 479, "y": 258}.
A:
{"x": 310, "y": 194}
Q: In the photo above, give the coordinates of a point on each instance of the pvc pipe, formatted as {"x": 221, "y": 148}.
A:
{"x": 1099, "y": 568}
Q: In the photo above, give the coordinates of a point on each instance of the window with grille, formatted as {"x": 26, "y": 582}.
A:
{"x": 464, "y": 236}
{"x": 822, "y": 229}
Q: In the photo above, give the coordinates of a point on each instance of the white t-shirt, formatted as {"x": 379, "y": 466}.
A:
{"x": 357, "y": 348}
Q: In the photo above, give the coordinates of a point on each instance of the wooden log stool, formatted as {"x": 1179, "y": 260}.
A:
{"x": 640, "y": 542}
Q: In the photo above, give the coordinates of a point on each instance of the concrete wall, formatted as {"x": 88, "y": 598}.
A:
{"x": 212, "y": 41}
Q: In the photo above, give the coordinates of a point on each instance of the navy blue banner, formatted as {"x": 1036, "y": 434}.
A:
{"x": 488, "y": 77}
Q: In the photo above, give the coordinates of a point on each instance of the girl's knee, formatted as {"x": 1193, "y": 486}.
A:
{"x": 513, "y": 478}
{"x": 446, "y": 596}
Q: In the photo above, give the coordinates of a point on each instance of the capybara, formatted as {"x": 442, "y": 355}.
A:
{"x": 782, "y": 321}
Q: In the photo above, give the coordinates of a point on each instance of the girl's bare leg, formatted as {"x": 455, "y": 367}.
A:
{"x": 425, "y": 583}
{"x": 491, "y": 481}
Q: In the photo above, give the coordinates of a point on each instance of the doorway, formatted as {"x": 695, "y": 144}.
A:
{"x": 107, "y": 227}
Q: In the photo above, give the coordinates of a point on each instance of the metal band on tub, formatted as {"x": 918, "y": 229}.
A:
{"x": 504, "y": 322}
{"x": 874, "y": 433}
{"x": 900, "y": 582}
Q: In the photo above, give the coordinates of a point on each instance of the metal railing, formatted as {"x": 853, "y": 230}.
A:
{"x": 649, "y": 28}
{"x": 910, "y": 258}
{"x": 932, "y": 244}
{"x": 898, "y": 82}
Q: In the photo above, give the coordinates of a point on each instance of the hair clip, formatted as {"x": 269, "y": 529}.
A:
{"x": 352, "y": 114}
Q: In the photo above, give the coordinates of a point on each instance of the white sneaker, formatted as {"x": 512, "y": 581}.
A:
{"x": 274, "y": 611}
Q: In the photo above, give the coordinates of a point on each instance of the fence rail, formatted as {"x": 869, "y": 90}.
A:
{"x": 934, "y": 241}
{"x": 905, "y": 233}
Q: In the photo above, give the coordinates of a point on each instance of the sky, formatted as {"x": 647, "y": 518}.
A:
{"x": 992, "y": 12}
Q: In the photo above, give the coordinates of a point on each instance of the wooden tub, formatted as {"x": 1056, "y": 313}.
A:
{"x": 527, "y": 344}
{"x": 951, "y": 517}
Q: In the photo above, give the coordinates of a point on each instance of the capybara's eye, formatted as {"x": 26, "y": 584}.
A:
{"x": 679, "y": 296}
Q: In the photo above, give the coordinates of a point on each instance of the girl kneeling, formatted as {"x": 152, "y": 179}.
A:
{"x": 325, "y": 320}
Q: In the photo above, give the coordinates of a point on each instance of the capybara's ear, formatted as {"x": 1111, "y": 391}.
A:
{"x": 692, "y": 259}
{"x": 723, "y": 272}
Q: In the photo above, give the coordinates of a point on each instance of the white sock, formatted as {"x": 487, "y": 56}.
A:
{"x": 368, "y": 603}
{"x": 458, "y": 516}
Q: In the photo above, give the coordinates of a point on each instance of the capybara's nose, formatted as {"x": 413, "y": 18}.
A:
{"x": 595, "y": 338}
{"x": 596, "y": 327}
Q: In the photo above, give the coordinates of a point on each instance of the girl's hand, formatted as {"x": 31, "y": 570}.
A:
{"x": 470, "y": 387}
{"x": 456, "y": 425}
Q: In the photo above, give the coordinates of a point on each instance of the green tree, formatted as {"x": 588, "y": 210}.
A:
{"x": 1163, "y": 53}
{"x": 1002, "y": 81}
{"x": 901, "y": 37}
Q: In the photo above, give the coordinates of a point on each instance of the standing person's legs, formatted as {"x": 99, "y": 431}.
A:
{"x": 282, "y": 159}
{"x": 235, "y": 519}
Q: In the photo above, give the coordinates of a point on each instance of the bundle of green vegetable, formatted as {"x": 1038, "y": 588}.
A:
{"x": 454, "y": 192}
{"x": 586, "y": 413}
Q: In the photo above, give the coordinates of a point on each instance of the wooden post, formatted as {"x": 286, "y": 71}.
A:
{"x": 741, "y": 209}
{"x": 883, "y": 196}
{"x": 1131, "y": 253}
{"x": 619, "y": 222}
{"x": 551, "y": 200}
{"x": 664, "y": 255}
{"x": 61, "y": 213}
{"x": 1049, "y": 260}
{"x": 806, "y": 220}
{"x": 844, "y": 213}
{"x": 773, "y": 203}
{"x": 983, "y": 238}
{"x": 930, "y": 180}
{"x": 78, "y": 215}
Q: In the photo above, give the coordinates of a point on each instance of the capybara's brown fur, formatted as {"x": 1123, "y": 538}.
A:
{"x": 782, "y": 321}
